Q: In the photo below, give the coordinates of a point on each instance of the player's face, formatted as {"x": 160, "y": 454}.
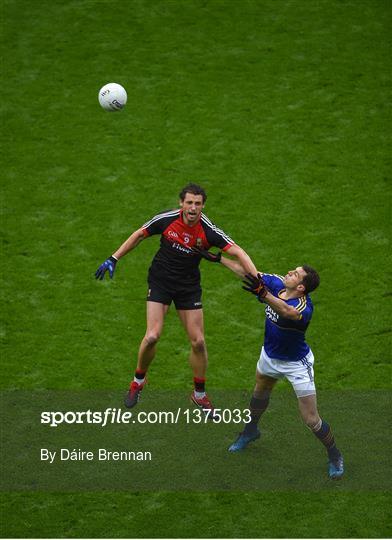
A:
{"x": 294, "y": 278}
{"x": 192, "y": 206}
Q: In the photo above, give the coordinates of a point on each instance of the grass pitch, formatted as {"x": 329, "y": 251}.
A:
{"x": 280, "y": 109}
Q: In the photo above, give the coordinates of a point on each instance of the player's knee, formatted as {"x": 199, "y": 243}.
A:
{"x": 152, "y": 338}
{"x": 312, "y": 421}
{"x": 198, "y": 344}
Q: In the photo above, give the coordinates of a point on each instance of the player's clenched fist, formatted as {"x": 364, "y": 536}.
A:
{"x": 108, "y": 266}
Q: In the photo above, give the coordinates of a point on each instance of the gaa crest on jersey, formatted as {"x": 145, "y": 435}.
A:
{"x": 199, "y": 243}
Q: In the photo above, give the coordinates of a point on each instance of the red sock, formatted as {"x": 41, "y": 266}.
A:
{"x": 199, "y": 384}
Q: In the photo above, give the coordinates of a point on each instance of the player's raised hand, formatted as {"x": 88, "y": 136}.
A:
{"x": 255, "y": 285}
{"x": 208, "y": 255}
{"x": 108, "y": 266}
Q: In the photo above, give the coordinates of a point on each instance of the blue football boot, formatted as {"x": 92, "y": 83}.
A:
{"x": 243, "y": 440}
{"x": 336, "y": 468}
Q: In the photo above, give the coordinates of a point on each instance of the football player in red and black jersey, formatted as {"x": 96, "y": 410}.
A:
{"x": 174, "y": 276}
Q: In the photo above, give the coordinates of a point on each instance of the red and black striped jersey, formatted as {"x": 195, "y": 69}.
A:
{"x": 175, "y": 263}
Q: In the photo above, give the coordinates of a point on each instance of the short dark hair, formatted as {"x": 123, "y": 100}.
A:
{"x": 312, "y": 280}
{"x": 195, "y": 190}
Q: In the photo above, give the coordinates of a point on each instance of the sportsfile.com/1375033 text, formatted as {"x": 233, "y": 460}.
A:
{"x": 112, "y": 416}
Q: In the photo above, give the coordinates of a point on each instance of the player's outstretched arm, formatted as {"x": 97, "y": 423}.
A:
{"x": 129, "y": 244}
{"x": 243, "y": 259}
{"x": 234, "y": 266}
{"x": 110, "y": 264}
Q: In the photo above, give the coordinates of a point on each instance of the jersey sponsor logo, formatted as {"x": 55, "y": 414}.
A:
{"x": 179, "y": 247}
{"x": 271, "y": 314}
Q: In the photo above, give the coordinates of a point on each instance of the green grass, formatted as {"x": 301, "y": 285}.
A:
{"x": 281, "y": 110}
{"x": 209, "y": 515}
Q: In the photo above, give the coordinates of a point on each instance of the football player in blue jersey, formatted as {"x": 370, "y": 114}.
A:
{"x": 285, "y": 353}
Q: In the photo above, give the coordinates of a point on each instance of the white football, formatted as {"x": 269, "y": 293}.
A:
{"x": 112, "y": 97}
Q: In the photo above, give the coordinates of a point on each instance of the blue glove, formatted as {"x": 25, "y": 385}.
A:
{"x": 109, "y": 264}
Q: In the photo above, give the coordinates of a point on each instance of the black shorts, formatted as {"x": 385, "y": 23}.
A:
{"x": 182, "y": 299}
